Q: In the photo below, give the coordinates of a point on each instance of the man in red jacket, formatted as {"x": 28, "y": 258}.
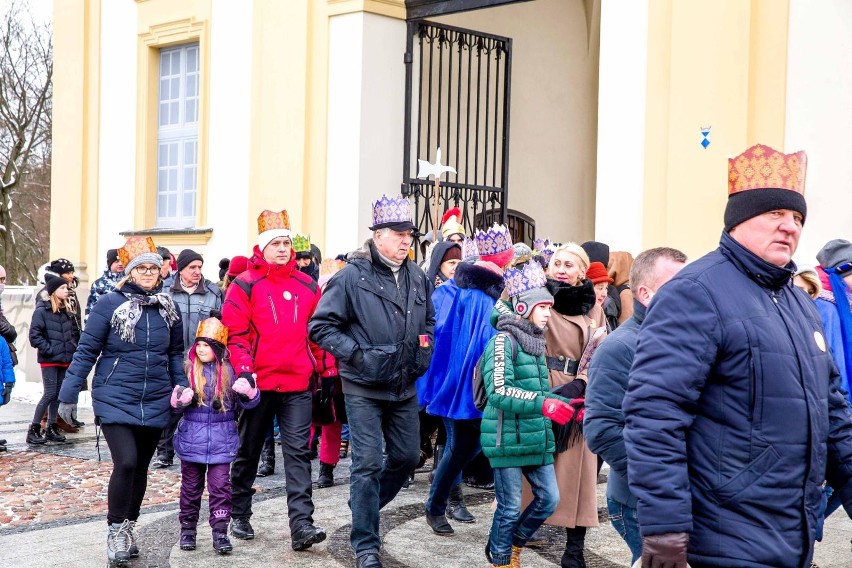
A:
{"x": 267, "y": 309}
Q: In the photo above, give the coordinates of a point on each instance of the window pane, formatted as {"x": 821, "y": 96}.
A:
{"x": 190, "y": 111}
{"x": 162, "y": 180}
{"x": 175, "y": 62}
{"x": 172, "y": 207}
{"x": 188, "y": 204}
{"x": 175, "y": 113}
{"x": 191, "y": 85}
{"x": 188, "y": 179}
{"x": 191, "y": 59}
{"x": 161, "y": 207}
{"x": 189, "y": 149}
{"x": 173, "y": 155}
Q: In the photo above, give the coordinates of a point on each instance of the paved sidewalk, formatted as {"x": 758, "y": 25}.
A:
{"x": 52, "y": 503}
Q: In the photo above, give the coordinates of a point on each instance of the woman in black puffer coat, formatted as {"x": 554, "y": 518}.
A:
{"x": 54, "y": 333}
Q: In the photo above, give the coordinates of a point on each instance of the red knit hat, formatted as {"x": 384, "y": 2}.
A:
{"x": 238, "y": 265}
{"x": 597, "y": 273}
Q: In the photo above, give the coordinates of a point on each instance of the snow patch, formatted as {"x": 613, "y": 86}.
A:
{"x": 30, "y": 392}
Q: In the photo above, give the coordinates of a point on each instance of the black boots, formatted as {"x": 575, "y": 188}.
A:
{"x": 52, "y": 434}
{"x": 307, "y": 536}
{"x": 34, "y": 435}
{"x": 326, "y": 475}
{"x": 455, "y": 506}
{"x": 439, "y": 453}
{"x": 439, "y": 524}
{"x": 267, "y": 459}
{"x": 221, "y": 543}
{"x": 574, "y": 543}
{"x": 241, "y": 529}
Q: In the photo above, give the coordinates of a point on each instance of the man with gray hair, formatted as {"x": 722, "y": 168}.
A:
{"x": 603, "y": 424}
{"x": 376, "y": 317}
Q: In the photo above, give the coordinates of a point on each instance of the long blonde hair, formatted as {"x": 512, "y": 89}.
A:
{"x": 197, "y": 381}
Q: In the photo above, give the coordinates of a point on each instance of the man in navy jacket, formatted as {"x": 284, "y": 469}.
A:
{"x": 603, "y": 425}
{"x": 734, "y": 413}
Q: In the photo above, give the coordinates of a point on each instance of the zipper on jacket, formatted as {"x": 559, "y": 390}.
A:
{"x": 272, "y": 305}
{"x": 109, "y": 376}
{"x": 518, "y": 428}
{"x": 499, "y": 428}
{"x": 145, "y": 380}
{"x": 296, "y": 308}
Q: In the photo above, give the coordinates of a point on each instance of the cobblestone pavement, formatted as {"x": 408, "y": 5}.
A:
{"x": 53, "y": 499}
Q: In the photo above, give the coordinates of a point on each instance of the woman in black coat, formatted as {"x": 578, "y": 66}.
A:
{"x": 54, "y": 333}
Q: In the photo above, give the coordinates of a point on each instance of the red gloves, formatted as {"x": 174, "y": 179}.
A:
{"x": 181, "y": 397}
{"x": 665, "y": 550}
{"x": 579, "y": 405}
{"x": 558, "y": 411}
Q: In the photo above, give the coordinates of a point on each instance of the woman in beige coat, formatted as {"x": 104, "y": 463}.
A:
{"x": 577, "y": 321}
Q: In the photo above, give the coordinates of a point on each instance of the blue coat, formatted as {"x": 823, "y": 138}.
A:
{"x": 7, "y": 370}
{"x": 463, "y": 307}
{"x": 208, "y": 435}
{"x": 834, "y": 337}
{"x": 133, "y": 381}
{"x": 603, "y": 425}
{"x": 734, "y": 415}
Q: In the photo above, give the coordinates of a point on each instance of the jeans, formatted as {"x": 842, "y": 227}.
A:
{"x": 52, "y": 378}
{"x": 462, "y": 447}
{"x": 511, "y": 527}
{"x": 374, "y": 482}
{"x": 624, "y": 521}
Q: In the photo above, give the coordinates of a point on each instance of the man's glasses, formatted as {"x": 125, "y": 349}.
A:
{"x": 146, "y": 269}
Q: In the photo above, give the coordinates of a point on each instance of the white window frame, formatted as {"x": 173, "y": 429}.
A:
{"x": 177, "y": 137}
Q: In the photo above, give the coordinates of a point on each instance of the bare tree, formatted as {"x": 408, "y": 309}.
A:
{"x": 26, "y": 72}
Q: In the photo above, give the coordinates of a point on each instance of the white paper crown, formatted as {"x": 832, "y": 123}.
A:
{"x": 493, "y": 241}
{"x": 390, "y": 210}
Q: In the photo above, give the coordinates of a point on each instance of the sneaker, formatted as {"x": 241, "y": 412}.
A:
{"x": 221, "y": 544}
{"x": 187, "y": 539}
{"x": 118, "y": 543}
{"x": 133, "y": 550}
{"x": 162, "y": 462}
{"x": 241, "y": 529}
{"x": 307, "y": 536}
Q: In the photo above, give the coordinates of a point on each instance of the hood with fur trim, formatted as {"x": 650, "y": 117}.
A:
{"x": 479, "y": 278}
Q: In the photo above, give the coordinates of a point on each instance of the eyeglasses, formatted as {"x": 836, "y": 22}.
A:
{"x": 147, "y": 269}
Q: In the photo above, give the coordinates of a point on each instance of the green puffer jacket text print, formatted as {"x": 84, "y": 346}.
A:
{"x": 514, "y": 431}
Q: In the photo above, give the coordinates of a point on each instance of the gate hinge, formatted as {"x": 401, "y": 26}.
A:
{"x": 407, "y": 58}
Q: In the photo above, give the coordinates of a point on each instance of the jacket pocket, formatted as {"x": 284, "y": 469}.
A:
{"x": 755, "y": 410}
{"x": 111, "y": 371}
{"x": 380, "y": 365}
{"x": 746, "y": 478}
{"x": 422, "y": 359}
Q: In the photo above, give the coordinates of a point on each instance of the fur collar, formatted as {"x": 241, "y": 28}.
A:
{"x": 572, "y": 300}
{"x": 479, "y": 278}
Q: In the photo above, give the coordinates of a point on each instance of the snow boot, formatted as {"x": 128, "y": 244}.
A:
{"x": 326, "y": 475}
{"x": 118, "y": 544}
{"x": 34, "y": 436}
{"x": 53, "y": 435}
{"x": 455, "y": 506}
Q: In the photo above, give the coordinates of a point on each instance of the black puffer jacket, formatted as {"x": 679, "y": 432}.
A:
{"x": 371, "y": 325}
{"x": 54, "y": 335}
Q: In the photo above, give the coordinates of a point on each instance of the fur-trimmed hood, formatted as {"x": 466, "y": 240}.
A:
{"x": 480, "y": 278}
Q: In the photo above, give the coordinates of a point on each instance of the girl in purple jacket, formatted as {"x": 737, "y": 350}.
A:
{"x": 206, "y": 439}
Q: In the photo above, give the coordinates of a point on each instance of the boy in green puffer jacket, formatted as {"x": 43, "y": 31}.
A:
{"x": 516, "y": 430}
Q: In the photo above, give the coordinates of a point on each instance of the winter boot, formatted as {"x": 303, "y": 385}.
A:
{"x": 34, "y": 435}
{"x": 515, "y": 559}
{"x": 221, "y": 543}
{"x": 455, "y": 506}
{"x": 267, "y": 459}
{"x": 133, "y": 549}
{"x": 187, "y": 538}
{"x": 326, "y": 475}
{"x": 439, "y": 524}
{"x": 439, "y": 453}
{"x": 575, "y": 541}
{"x": 53, "y": 435}
{"x": 118, "y": 544}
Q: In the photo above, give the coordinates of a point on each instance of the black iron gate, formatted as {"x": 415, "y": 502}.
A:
{"x": 457, "y": 95}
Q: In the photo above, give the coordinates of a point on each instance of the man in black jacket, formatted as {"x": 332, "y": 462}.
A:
{"x": 376, "y": 318}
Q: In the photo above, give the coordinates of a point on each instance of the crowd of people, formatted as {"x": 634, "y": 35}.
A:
{"x": 717, "y": 391}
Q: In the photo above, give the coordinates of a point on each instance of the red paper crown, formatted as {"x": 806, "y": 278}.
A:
{"x": 762, "y": 167}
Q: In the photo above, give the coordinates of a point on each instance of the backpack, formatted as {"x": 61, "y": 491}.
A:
{"x": 480, "y": 396}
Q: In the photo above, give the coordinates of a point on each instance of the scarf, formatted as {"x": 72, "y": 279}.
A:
{"x": 127, "y": 315}
{"x": 530, "y": 337}
{"x": 571, "y": 300}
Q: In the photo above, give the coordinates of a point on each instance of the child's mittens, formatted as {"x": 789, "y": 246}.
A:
{"x": 181, "y": 397}
{"x": 558, "y": 411}
{"x": 243, "y": 387}
{"x": 250, "y": 378}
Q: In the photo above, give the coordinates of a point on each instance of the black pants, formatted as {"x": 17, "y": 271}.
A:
{"x": 131, "y": 448}
{"x": 51, "y": 378}
{"x": 293, "y": 410}
{"x": 166, "y": 446}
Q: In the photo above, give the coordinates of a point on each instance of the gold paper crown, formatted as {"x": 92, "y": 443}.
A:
{"x": 762, "y": 167}
{"x": 212, "y": 328}
{"x": 301, "y": 243}
{"x": 330, "y": 267}
{"x": 134, "y": 247}
{"x": 269, "y": 220}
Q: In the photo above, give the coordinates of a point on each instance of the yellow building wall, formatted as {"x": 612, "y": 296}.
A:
{"x": 718, "y": 64}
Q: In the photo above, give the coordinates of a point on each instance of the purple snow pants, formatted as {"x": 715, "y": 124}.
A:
{"x": 218, "y": 489}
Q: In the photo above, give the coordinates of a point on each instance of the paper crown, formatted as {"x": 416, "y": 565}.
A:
{"x": 134, "y": 247}
{"x": 469, "y": 248}
{"x": 451, "y": 223}
{"x": 269, "y": 220}
{"x": 301, "y": 243}
{"x": 540, "y": 244}
{"x": 493, "y": 241}
{"x": 390, "y": 211}
{"x": 212, "y": 329}
{"x": 529, "y": 277}
{"x": 762, "y": 167}
{"x": 330, "y": 267}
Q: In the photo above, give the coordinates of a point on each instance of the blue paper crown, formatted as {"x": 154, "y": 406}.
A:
{"x": 529, "y": 277}
{"x": 493, "y": 241}
{"x": 389, "y": 210}
{"x": 469, "y": 248}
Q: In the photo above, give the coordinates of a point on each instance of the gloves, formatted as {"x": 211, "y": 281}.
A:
{"x": 7, "y": 393}
{"x": 67, "y": 411}
{"x": 243, "y": 387}
{"x": 558, "y": 411}
{"x": 327, "y": 387}
{"x": 572, "y": 390}
{"x": 251, "y": 378}
{"x": 579, "y": 406}
{"x": 665, "y": 550}
{"x": 181, "y": 397}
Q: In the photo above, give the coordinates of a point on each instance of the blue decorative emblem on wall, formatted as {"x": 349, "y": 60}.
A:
{"x": 705, "y": 136}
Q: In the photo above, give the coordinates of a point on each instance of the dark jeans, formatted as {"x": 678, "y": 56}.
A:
{"x": 372, "y": 483}
{"x": 218, "y": 489}
{"x": 131, "y": 448}
{"x": 624, "y": 521}
{"x": 51, "y": 378}
{"x": 510, "y": 527}
{"x": 166, "y": 446}
{"x": 293, "y": 410}
{"x": 462, "y": 447}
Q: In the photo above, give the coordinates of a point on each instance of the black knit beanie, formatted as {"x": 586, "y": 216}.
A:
{"x": 52, "y": 283}
{"x": 744, "y": 205}
{"x": 185, "y": 257}
{"x": 112, "y": 256}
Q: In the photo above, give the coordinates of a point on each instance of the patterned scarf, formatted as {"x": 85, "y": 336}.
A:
{"x": 128, "y": 314}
